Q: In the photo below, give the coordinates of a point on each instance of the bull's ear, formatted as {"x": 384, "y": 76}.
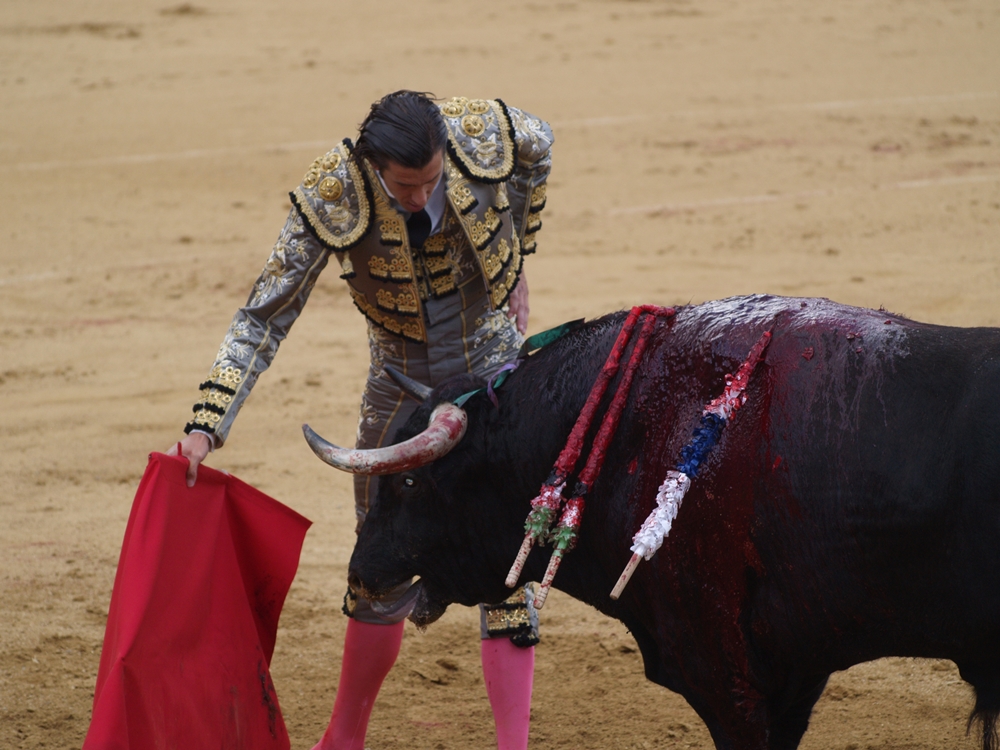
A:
{"x": 408, "y": 385}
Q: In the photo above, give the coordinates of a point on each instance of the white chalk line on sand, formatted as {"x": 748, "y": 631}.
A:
{"x": 610, "y": 121}
{"x": 803, "y": 106}
{"x": 28, "y": 278}
{"x": 193, "y": 153}
{"x": 739, "y": 200}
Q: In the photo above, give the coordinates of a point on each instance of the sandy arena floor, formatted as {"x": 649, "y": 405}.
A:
{"x": 849, "y": 150}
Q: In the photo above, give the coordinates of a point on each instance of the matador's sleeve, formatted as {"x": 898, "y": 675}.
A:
{"x": 526, "y": 187}
{"x": 259, "y": 327}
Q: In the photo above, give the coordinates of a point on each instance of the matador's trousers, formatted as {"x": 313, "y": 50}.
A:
{"x": 464, "y": 336}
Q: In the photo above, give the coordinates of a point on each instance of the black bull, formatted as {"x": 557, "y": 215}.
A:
{"x": 850, "y": 511}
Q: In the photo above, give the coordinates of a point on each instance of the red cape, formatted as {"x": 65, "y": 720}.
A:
{"x": 201, "y": 580}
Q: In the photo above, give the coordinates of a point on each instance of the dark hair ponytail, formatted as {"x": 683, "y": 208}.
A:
{"x": 404, "y": 127}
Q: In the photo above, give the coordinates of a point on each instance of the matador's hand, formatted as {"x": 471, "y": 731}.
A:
{"x": 518, "y": 304}
{"x": 194, "y": 448}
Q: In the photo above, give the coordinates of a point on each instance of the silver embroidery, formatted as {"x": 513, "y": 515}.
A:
{"x": 487, "y": 150}
{"x": 533, "y": 128}
{"x": 381, "y": 347}
{"x": 461, "y": 261}
{"x": 368, "y": 416}
{"x": 233, "y": 352}
{"x": 338, "y": 214}
{"x": 277, "y": 276}
{"x": 496, "y": 325}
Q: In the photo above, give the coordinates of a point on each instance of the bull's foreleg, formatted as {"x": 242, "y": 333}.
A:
{"x": 745, "y": 720}
{"x": 788, "y": 725}
{"x": 736, "y": 715}
{"x": 752, "y": 723}
{"x": 736, "y": 733}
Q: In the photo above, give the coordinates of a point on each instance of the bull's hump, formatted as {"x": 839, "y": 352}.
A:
{"x": 745, "y": 317}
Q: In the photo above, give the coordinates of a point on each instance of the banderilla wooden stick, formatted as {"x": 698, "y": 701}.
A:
{"x": 623, "y": 579}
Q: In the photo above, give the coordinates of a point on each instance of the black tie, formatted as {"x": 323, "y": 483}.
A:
{"x": 418, "y": 227}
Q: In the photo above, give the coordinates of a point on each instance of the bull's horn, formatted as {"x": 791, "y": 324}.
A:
{"x": 409, "y": 386}
{"x": 446, "y": 427}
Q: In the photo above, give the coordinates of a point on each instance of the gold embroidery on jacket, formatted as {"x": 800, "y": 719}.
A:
{"x": 228, "y": 377}
{"x": 500, "y": 290}
{"x": 411, "y": 329}
{"x": 391, "y": 228}
{"x": 205, "y": 418}
{"x": 435, "y": 245}
{"x": 473, "y": 125}
{"x": 437, "y": 265}
{"x": 495, "y": 258}
{"x": 455, "y": 107}
{"x": 538, "y": 198}
{"x": 503, "y": 250}
{"x": 458, "y": 190}
{"x": 442, "y": 285}
{"x": 481, "y": 232}
{"x": 478, "y": 106}
{"x": 391, "y": 224}
{"x": 464, "y": 200}
{"x": 330, "y": 189}
{"x": 422, "y": 288}
{"x": 404, "y": 303}
{"x": 215, "y": 397}
{"x": 331, "y": 160}
{"x": 398, "y": 269}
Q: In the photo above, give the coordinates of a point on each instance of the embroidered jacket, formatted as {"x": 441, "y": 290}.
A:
{"x": 497, "y": 163}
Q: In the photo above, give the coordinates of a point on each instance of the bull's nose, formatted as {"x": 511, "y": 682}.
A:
{"x": 354, "y": 581}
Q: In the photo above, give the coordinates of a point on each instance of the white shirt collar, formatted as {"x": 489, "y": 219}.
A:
{"x": 435, "y": 204}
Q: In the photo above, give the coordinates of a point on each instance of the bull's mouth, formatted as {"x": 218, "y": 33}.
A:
{"x": 416, "y": 604}
{"x": 400, "y": 608}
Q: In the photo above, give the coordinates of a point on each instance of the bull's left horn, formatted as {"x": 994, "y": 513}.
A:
{"x": 408, "y": 385}
{"x": 446, "y": 427}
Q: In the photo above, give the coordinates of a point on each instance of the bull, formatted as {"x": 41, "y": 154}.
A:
{"x": 850, "y": 511}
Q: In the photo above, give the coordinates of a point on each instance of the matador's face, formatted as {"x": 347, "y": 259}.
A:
{"x": 412, "y": 188}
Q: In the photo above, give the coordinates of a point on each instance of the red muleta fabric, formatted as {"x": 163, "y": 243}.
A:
{"x": 201, "y": 580}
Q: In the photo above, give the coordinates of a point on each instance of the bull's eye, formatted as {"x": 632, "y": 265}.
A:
{"x": 409, "y": 482}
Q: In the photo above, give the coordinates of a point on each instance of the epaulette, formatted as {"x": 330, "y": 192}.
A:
{"x": 480, "y": 138}
{"x": 334, "y": 199}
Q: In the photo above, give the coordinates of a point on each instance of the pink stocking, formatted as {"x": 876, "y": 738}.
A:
{"x": 509, "y": 671}
{"x": 369, "y": 653}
